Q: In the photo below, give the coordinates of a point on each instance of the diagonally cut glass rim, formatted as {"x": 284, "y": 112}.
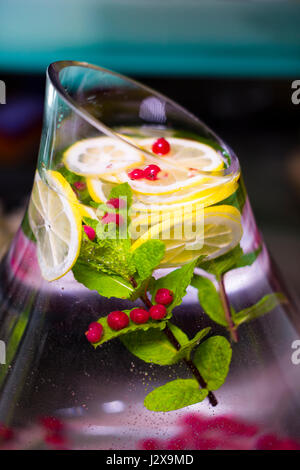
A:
{"x": 53, "y": 75}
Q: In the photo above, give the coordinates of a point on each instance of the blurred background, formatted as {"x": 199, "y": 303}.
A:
{"x": 230, "y": 62}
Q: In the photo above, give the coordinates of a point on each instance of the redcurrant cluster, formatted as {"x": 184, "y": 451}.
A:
{"x": 160, "y": 147}
{"x": 118, "y": 320}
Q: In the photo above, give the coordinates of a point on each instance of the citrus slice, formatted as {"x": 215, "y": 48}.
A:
{"x": 99, "y": 190}
{"x": 101, "y": 156}
{"x": 87, "y": 211}
{"x": 188, "y": 154}
{"x": 220, "y": 232}
{"x": 56, "y": 223}
{"x": 180, "y": 169}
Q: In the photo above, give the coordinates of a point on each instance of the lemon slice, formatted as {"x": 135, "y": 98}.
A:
{"x": 221, "y": 231}
{"x": 87, "y": 211}
{"x": 180, "y": 169}
{"x": 101, "y": 156}
{"x": 99, "y": 190}
{"x": 188, "y": 154}
{"x": 56, "y": 223}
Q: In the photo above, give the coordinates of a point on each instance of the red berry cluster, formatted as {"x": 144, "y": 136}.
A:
{"x": 109, "y": 217}
{"x": 160, "y": 147}
{"x": 117, "y": 320}
{"x": 149, "y": 173}
{"x": 54, "y": 432}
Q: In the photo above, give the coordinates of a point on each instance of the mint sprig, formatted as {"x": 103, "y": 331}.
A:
{"x": 131, "y": 329}
{"x": 175, "y": 395}
{"x": 212, "y": 358}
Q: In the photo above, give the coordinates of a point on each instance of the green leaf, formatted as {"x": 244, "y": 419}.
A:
{"x": 150, "y": 346}
{"x": 69, "y": 176}
{"x": 232, "y": 260}
{"x": 247, "y": 259}
{"x": 147, "y": 257}
{"x": 175, "y": 395}
{"x": 223, "y": 263}
{"x": 212, "y": 358}
{"x": 265, "y": 305}
{"x": 209, "y": 299}
{"x": 131, "y": 329}
{"x": 186, "y": 349}
{"x": 91, "y": 222}
{"x": 155, "y": 347}
{"x": 106, "y": 285}
{"x": 122, "y": 191}
{"x": 177, "y": 281}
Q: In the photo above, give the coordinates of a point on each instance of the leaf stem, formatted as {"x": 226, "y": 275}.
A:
{"x": 226, "y": 307}
{"x": 212, "y": 399}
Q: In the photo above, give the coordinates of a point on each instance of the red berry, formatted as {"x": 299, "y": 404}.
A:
{"x": 117, "y": 320}
{"x": 116, "y": 203}
{"x": 90, "y": 232}
{"x": 161, "y": 147}
{"x": 110, "y": 217}
{"x": 51, "y": 423}
{"x": 139, "y": 315}
{"x": 157, "y": 312}
{"x": 164, "y": 296}
{"x": 6, "y": 433}
{"x": 56, "y": 440}
{"x": 94, "y": 332}
{"x": 151, "y": 172}
{"x": 79, "y": 185}
{"x": 136, "y": 174}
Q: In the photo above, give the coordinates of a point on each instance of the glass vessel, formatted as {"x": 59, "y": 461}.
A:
{"x": 139, "y": 209}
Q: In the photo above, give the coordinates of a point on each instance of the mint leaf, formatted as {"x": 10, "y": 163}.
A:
{"x": 186, "y": 349}
{"x": 91, "y": 222}
{"x": 106, "y": 285}
{"x": 232, "y": 260}
{"x": 209, "y": 299}
{"x": 248, "y": 258}
{"x": 223, "y": 263}
{"x": 154, "y": 346}
{"x": 175, "y": 395}
{"x": 150, "y": 346}
{"x": 147, "y": 257}
{"x": 177, "y": 281}
{"x": 265, "y": 305}
{"x": 132, "y": 328}
{"x": 212, "y": 358}
{"x": 122, "y": 191}
{"x": 69, "y": 176}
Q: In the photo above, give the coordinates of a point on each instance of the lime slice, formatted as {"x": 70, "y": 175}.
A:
{"x": 56, "y": 223}
{"x": 101, "y": 156}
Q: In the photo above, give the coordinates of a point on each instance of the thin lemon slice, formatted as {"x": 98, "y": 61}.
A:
{"x": 221, "y": 232}
{"x": 87, "y": 211}
{"x": 101, "y": 156}
{"x": 180, "y": 169}
{"x": 99, "y": 190}
{"x": 56, "y": 223}
{"x": 188, "y": 154}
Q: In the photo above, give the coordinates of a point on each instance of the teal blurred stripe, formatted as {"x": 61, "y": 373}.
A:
{"x": 165, "y": 37}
